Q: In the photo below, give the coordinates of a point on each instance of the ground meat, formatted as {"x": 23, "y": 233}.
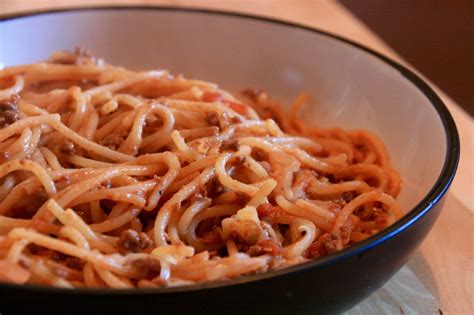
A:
{"x": 336, "y": 206}
{"x": 242, "y": 198}
{"x": 226, "y": 119}
{"x": 364, "y": 213}
{"x": 207, "y": 225}
{"x": 58, "y": 257}
{"x": 265, "y": 247}
{"x": 113, "y": 141}
{"x": 333, "y": 245}
{"x": 9, "y": 110}
{"x": 274, "y": 214}
{"x": 67, "y": 147}
{"x": 212, "y": 119}
{"x": 148, "y": 268}
{"x": 45, "y": 252}
{"x": 380, "y": 216}
{"x": 74, "y": 263}
{"x": 231, "y": 145}
{"x": 372, "y": 214}
{"x": 326, "y": 244}
{"x": 133, "y": 241}
{"x": 212, "y": 236}
{"x": 347, "y": 196}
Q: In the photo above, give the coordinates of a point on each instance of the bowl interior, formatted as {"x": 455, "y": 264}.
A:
{"x": 350, "y": 88}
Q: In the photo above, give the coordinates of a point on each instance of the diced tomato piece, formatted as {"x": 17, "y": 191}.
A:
{"x": 274, "y": 214}
{"x": 264, "y": 210}
{"x": 209, "y": 96}
{"x": 212, "y": 237}
{"x": 238, "y": 107}
{"x": 265, "y": 247}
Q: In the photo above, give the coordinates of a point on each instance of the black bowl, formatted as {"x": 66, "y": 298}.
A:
{"x": 331, "y": 284}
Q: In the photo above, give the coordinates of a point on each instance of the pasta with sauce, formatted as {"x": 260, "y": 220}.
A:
{"x": 123, "y": 179}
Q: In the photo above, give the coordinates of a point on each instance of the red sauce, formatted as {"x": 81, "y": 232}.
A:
{"x": 209, "y": 96}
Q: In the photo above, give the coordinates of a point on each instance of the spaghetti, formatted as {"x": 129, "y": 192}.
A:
{"x": 121, "y": 179}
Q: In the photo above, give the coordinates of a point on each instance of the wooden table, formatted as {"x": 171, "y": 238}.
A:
{"x": 439, "y": 279}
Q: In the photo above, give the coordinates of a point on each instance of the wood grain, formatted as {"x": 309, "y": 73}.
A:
{"x": 403, "y": 294}
{"x": 441, "y": 275}
{"x": 448, "y": 255}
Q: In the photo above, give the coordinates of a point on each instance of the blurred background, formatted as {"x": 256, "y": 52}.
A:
{"x": 435, "y": 36}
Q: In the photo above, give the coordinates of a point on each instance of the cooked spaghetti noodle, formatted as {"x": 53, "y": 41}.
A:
{"x": 122, "y": 179}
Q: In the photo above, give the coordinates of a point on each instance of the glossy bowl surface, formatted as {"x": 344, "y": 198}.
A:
{"x": 352, "y": 87}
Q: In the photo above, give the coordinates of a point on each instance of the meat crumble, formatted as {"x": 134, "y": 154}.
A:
{"x": 9, "y": 110}
{"x": 133, "y": 241}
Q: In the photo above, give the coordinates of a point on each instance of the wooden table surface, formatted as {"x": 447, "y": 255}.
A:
{"x": 439, "y": 279}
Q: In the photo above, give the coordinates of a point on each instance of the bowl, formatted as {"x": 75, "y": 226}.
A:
{"x": 352, "y": 87}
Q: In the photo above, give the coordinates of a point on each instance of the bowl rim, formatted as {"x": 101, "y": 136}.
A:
{"x": 425, "y": 205}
